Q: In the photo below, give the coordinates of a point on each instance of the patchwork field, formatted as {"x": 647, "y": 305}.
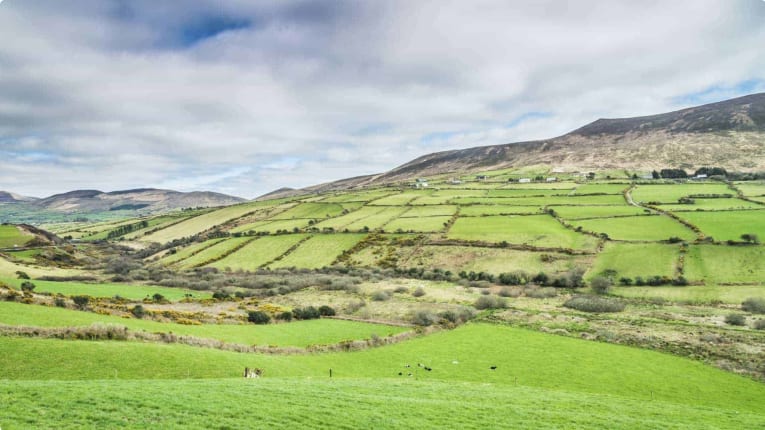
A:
{"x": 725, "y": 264}
{"x": 637, "y": 228}
{"x": 672, "y": 193}
{"x": 729, "y": 225}
{"x": 213, "y": 252}
{"x": 318, "y": 251}
{"x": 259, "y": 252}
{"x": 133, "y": 292}
{"x": 535, "y": 230}
{"x": 632, "y": 260}
{"x": 491, "y": 260}
{"x": 11, "y": 236}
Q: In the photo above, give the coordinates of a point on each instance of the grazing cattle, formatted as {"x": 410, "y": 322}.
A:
{"x": 428, "y": 368}
{"x": 493, "y": 367}
{"x": 252, "y": 373}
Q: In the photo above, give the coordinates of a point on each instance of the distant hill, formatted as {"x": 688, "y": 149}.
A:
{"x": 8, "y": 197}
{"x": 729, "y": 134}
{"x": 144, "y": 199}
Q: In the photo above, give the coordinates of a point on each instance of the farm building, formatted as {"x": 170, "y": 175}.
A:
{"x": 524, "y": 180}
{"x": 480, "y": 177}
{"x": 551, "y": 179}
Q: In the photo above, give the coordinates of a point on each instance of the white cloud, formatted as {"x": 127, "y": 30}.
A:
{"x": 310, "y": 92}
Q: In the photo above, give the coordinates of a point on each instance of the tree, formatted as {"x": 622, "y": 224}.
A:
{"x": 81, "y": 301}
{"x": 27, "y": 286}
{"x": 138, "y": 311}
{"x": 601, "y": 284}
{"x": 326, "y": 311}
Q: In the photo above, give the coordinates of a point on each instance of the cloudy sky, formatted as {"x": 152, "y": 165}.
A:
{"x": 244, "y": 97}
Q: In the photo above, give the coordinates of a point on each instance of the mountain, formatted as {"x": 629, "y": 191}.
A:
{"x": 8, "y": 197}
{"x": 148, "y": 200}
{"x": 729, "y": 134}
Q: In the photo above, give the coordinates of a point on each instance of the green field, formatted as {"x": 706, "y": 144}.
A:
{"x": 671, "y": 193}
{"x": 312, "y": 211}
{"x": 545, "y": 381}
{"x": 213, "y": 252}
{"x": 11, "y": 236}
{"x": 186, "y": 252}
{"x": 401, "y": 198}
{"x": 726, "y": 264}
{"x": 751, "y": 189}
{"x": 298, "y": 333}
{"x": 132, "y": 292}
{"x": 601, "y": 188}
{"x": 728, "y": 225}
{"x": 273, "y": 226}
{"x": 536, "y": 230}
{"x": 319, "y": 251}
{"x": 491, "y": 260}
{"x": 375, "y": 220}
{"x": 259, "y": 252}
{"x": 544, "y": 201}
{"x": 423, "y": 224}
{"x": 701, "y": 294}
{"x": 584, "y": 212}
{"x": 481, "y": 210}
{"x": 712, "y": 205}
{"x": 637, "y": 228}
{"x": 631, "y": 260}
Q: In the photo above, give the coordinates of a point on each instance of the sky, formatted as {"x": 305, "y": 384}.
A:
{"x": 244, "y": 97}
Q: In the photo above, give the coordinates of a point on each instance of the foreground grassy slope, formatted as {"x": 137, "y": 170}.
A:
{"x": 132, "y": 292}
{"x": 11, "y": 236}
{"x": 339, "y": 404}
{"x": 299, "y": 333}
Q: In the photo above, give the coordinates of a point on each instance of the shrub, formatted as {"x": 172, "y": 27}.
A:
{"x": 138, "y": 311}
{"x": 326, "y": 311}
{"x": 21, "y": 275}
{"x": 594, "y": 304}
{"x": 284, "y": 316}
{"x": 541, "y": 293}
{"x": 509, "y": 292}
{"x": 600, "y": 285}
{"x": 258, "y": 317}
{"x": 309, "y": 313}
{"x": 27, "y": 286}
{"x": 735, "y": 319}
{"x": 221, "y": 295}
{"x": 418, "y": 292}
{"x": 759, "y": 324}
{"x": 401, "y": 290}
{"x": 755, "y": 305}
{"x": 59, "y": 302}
{"x": 380, "y": 296}
{"x": 490, "y": 302}
{"x": 424, "y": 318}
{"x": 625, "y": 281}
{"x": 81, "y": 301}
{"x": 158, "y": 298}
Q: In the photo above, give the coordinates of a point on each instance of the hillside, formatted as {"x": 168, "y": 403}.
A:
{"x": 730, "y": 134}
{"x": 146, "y": 199}
{"x": 8, "y": 197}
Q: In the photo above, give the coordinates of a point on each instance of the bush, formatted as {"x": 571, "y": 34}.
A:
{"x": 21, "y": 275}
{"x": 424, "y": 318}
{"x": 490, "y": 302}
{"x": 380, "y": 296}
{"x": 285, "y": 316}
{"x": 735, "y": 319}
{"x": 158, "y": 298}
{"x": 418, "y": 292}
{"x": 309, "y": 313}
{"x": 594, "y": 304}
{"x": 59, "y": 302}
{"x": 138, "y": 311}
{"x": 541, "y": 293}
{"x": 27, "y": 286}
{"x": 221, "y": 295}
{"x": 759, "y": 324}
{"x": 755, "y": 305}
{"x": 600, "y": 285}
{"x": 401, "y": 290}
{"x": 326, "y": 311}
{"x": 81, "y": 301}
{"x": 258, "y": 317}
{"x": 509, "y": 292}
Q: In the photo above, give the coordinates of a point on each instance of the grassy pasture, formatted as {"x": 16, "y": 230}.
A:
{"x": 206, "y": 221}
{"x": 601, "y": 189}
{"x": 377, "y": 219}
{"x": 728, "y": 225}
{"x": 751, "y": 189}
{"x": 272, "y": 226}
{"x": 259, "y": 252}
{"x": 545, "y": 201}
{"x": 536, "y": 230}
{"x": 670, "y": 193}
{"x": 583, "y": 212}
{"x": 712, "y": 204}
{"x": 11, "y": 236}
{"x": 319, "y": 251}
{"x": 311, "y": 211}
{"x": 339, "y": 404}
{"x": 523, "y": 358}
{"x": 443, "y": 196}
{"x": 212, "y": 252}
{"x": 186, "y": 252}
{"x": 26, "y": 256}
{"x": 695, "y": 293}
{"x": 298, "y": 333}
{"x": 433, "y": 210}
{"x": 132, "y": 292}
{"x": 366, "y": 196}
{"x": 491, "y": 260}
{"x": 9, "y": 269}
{"x": 638, "y": 228}
{"x": 726, "y": 264}
{"x": 341, "y": 222}
{"x": 527, "y": 192}
{"x": 426, "y": 224}
{"x": 631, "y": 260}
{"x": 481, "y": 210}
{"x": 401, "y": 198}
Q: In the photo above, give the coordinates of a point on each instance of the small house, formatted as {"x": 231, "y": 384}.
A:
{"x": 524, "y": 180}
{"x": 700, "y": 176}
{"x": 551, "y": 179}
{"x": 480, "y": 177}
{"x": 455, "y": 181}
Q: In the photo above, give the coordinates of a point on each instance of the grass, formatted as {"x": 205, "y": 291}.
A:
{"x": 311, "y": 211}
{"x": 601, "y": 188}
{"x": 299, "y": 333}
{"x": 11, "y": 236}
{"x": 434, "y": 210}
{"x": 631, "y": 260}
{"x": 695, "y": 293}
{"x": 423, "y": 224}
{"x": 536, "y": 230}
{"x": 272, "y": 226}
{"x": 637, "y": 228}
{"x": 341, "y": 222}
{"x": 522, "y": 357}
{"x": 584, "y": 212}
{"x": 213, "y": 252}
{"x": 259, "y": 252}
{"x": 725, "y": 264}
{"x": 376, "y": 220}
{"x": 401, "y": 198}
{"x": 338, "y": 404}
{"x": 186, "y": 252}
{"x": 480, "y": 210}
{"x": 544, "y": 200}
{"x": 712, "y": 205}
{"x": 728, "y": 225}
{"x": 319, "y": 251}
{"x": 132, "y": 292}
{"x": 491, "y": 260}
{"x": 670, "y": 193}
